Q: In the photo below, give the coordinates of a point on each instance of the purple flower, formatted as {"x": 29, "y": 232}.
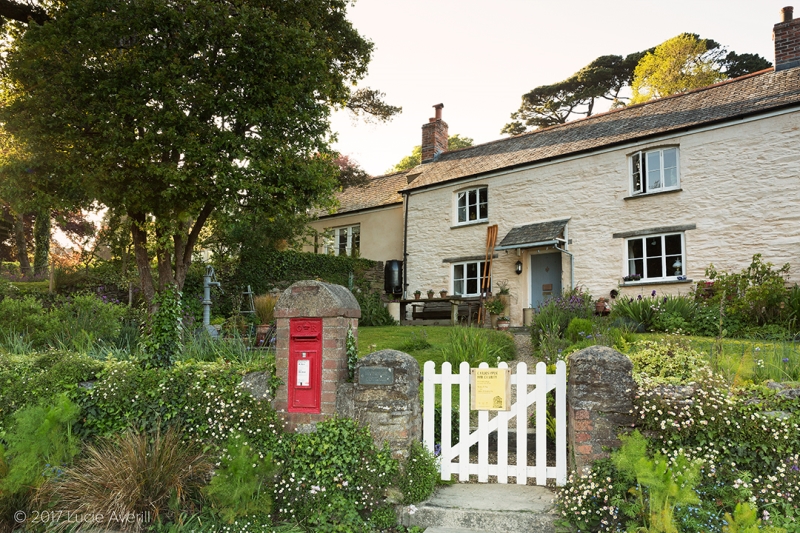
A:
{"x": 653, "y": 293}
{"x": 785, "y": 359}
{"x": 640, "y": 297}
{"x": 437, "y": 450}
{"x": 665, "y": 298}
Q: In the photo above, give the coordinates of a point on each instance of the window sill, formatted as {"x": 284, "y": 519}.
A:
{"x": 645, "y": 195}
{"x": 467, "y": 224}
{"x": 659, "y": 282}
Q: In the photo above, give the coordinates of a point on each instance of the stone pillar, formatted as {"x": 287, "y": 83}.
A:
{"x": 600, "y": 394}
{"x": 338, "y": 311}
{"x": 385, "y": 397}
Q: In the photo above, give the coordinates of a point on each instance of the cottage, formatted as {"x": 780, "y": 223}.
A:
{"x": 639, "y": 198}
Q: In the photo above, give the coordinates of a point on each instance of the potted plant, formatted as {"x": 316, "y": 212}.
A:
{"x": 443, "y": 293}
{"x": 430, "y": 294}
{"x": 495, "y": 308}
{"x": 417, "y": 294}
{"x": 503, "y": 322}
{"x": 504, "y": 294}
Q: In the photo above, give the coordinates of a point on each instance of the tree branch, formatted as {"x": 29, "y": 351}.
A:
{"x": 23, "y": 12}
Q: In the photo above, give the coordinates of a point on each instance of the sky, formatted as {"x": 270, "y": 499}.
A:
{"x": 479, "y": 57}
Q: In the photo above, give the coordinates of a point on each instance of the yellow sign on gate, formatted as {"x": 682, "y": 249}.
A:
{"x": 490, "y": 389}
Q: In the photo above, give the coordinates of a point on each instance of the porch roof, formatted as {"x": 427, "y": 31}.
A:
{"x": 532, "y": 235}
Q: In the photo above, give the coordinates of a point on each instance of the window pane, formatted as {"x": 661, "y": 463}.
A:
{"x": 473, "y": 212}
{"x": 483, "y": 195}
{"x": 472, "y": 270}
{"x": 462, "y": 214}
{"x": 342, "y": 248}
{"x": 653, "y": 170}
{"x": 355, "y": 245}
{"x": 670, "y": 177}
{"x": 472, "y": 286}
{"x": 462, "y": 199}
{"x": 458, "y": 272}
{"x": 473, "y": 197}
{"x": 484, "y": 212}
{"x": 458, "y": 286}
{"x": 654, "y": 247}
{"x": 636, "y": 266}
{"x": 672, "y": 244}
{"x": 654, "y": 269}
{"x": 635, "y": 249}
{"x": 636, "y": 172}
{"x": 670, "y": 158}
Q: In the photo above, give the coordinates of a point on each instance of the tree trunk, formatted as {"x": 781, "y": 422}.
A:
{"x": 139, "y": 235}
{"x": 22, "y": 246}
{"x": 41, "y": 240}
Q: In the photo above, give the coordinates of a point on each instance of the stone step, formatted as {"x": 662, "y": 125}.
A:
{"x": 484, "y": 508}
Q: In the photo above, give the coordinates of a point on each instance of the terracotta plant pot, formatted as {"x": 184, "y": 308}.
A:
{"x": 417, "y": 296}
{"x": 503, "y": 325}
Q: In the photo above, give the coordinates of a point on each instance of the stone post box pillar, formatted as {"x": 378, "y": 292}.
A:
{"x": 311, "y": 356}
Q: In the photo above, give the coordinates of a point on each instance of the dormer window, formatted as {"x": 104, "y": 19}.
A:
{"x": 472, "y": 205}
{"x": 654, "y": 171}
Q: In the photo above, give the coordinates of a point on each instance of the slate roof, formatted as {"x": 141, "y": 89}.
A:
{"x": 525, "y": 236}
{"x": 748, "y": 95}
{"x": 379, "y": 192}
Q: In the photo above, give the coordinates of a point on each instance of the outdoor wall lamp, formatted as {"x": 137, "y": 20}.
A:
{"x": 518, "y": 267}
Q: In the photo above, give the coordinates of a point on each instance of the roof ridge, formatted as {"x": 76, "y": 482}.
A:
{"x": 616, "y": 110}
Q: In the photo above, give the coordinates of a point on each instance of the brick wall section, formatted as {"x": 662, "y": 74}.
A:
{"x": 599, "y": 403}
{"x": 786, "y": 35}
{"x": 339, "y": 311}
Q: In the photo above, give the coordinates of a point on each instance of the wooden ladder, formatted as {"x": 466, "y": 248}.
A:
{"x": 486, "y": 274}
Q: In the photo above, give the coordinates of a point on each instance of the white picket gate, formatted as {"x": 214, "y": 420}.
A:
{"x": 543, "y": 383}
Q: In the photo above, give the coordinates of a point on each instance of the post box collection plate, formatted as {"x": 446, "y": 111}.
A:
{"x": 375, "y": 375}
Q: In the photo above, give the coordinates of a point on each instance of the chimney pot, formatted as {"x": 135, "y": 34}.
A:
{"x": 438, "y": 107}
{"x": 787, "y": 14}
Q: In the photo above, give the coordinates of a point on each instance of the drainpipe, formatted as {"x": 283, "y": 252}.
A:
{"x": 407, "y": 197}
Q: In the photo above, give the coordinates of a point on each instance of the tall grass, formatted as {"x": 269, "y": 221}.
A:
{"x": 135, "y": 475}
{"x": 476, "y": 346}
{"x": 265, "y": 307}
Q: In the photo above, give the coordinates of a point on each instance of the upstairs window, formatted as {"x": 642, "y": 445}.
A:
{"x": 472, "y": 205}
{"x": 655, "y": 257}
{"x": 343, "y": 241}
{"x": 654, "y": 171}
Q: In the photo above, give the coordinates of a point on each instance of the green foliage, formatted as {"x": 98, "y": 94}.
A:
{"x": 669, "y": 484}
{"x": 658, "y": 363}
{"x": 552, "y": 319}
{"x": 745, "y": 520}
{"x": 334, "y": 478}
{"x": 373, "y": 311}
{"x": 242, "y": 483}
{"x": 130, "y": 475}
{"x": 351, "y": 347}
{"x": 39, "y": 378}
{"x": 477, "y": 345}
{"x": 420, "y": 474}
{"x": 24, "y": 316}
{"x": 163, "y": 344}
{"x": 756, "y": 296}
{"x": 143, "y": 135}
{"x": 677, "y": 65}
{"x": 578, "y": 329}
{"x": 454, "y": 142}
{"x": 265, "y": 307}
{"x": 495, "y": 306}
{"x": 40, "y": 443}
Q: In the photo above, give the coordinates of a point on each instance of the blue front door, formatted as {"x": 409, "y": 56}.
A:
{"x": 545, "y": 277}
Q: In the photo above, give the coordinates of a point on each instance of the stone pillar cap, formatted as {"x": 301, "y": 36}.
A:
{"x": 311, "y": 298}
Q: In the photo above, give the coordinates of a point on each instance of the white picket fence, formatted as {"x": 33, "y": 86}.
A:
{"x": 455, "y": 457}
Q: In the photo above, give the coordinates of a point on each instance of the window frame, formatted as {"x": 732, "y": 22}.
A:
{"x": 465, "y": 194}
{"x": 666, "y": 262}
{"x": 641, "y": 156}
{"x": 481, "y": 266}
{"x": 332, "y": 240}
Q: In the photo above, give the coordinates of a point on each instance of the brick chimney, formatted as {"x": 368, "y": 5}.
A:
{"x": 434, "y": 136}
{"x": 786, "y": 35}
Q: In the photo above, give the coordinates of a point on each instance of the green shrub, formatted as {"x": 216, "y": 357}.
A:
{"x": 553, "y": 316}
{"x": 373, "y": 312}
{"x": 24, "y": 316}
{"x": 242, "y": 484}
{"x": 477, "y": 345}
{"x": 416, "y": 343}
{"x": 333, "y": 478}
{"x": 666, "y": 362}
{"x": 135, "y": 474}
{"x": 40, "y": 442}
{"x": 163, "y": 342}
{"x": 420, "y": 474}
{"x": 579, "y": 329}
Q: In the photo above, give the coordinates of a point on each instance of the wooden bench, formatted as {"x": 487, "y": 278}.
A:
{"x": 442, "y": 309}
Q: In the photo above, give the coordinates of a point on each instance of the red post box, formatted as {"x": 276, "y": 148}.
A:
{"x": 305, "y": 365}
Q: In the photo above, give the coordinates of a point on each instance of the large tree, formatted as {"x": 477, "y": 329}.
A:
{"x": 169, "y": 111}
{"x": 454, "y": 142}
{"x": 608, "y": 78}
